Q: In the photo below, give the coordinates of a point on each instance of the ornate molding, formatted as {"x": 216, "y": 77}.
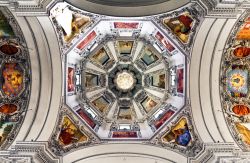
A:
{"x": 191, "y": 150}
{"x": 224, "y": 9}
{"x": 220, "y": 152}
{"x": 29, "y": 152}
{"x": 229, "y": 65}
{"x": 22, "y": 64}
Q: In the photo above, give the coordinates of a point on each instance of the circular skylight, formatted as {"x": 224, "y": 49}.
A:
{"x": 124, "y": 81}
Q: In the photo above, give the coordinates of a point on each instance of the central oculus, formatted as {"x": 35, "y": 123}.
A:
{"x": 124, "y": 80}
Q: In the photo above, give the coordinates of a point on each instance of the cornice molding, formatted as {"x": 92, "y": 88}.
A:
{"x": 216, "y": 152}
{"x": 38, "y": 152}
{"x": 29, "y": 152}
{"x": 223, "y": 9}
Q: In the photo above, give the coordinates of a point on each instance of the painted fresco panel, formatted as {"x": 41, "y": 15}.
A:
{"x": 166, "y": 43}
{"x": 71, "y": 79}
{"x": 181, "y": 26}
{"x": 101, "y": 57}
{"x": 125, "y": 47}
{"x": 70, "y": 134}
{"x": 148, "y": 104}
{"x": 179, "y": 134}
{"x": 126, "y": 25}
{"x": 149, "y": 57}
{"x": 12, "y": 77}
{"x": 5, "y": 28}
{"x": 91, "y": 80}
{"x": 158, "y": 80}
{"x": 180, "y": 80}
{"x": 90, "y": 37}
{"x": 101, "y": 103}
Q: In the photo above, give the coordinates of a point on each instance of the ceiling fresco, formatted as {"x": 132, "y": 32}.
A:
{"x": 235, "y": 82}
{"x": 125, "y": 79}
{"x": 128, "y": 85}
{"x": 14, "y": 78}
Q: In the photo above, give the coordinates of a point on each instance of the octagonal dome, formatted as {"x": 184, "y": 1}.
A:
{"x": 124, "y": 78}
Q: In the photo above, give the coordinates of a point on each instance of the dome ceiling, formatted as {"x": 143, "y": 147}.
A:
{"x": 125, "y": 79}
{"x": 126, "y": 84}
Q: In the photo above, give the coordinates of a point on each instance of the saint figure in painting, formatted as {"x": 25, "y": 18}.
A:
{"x": 182, "y": 136}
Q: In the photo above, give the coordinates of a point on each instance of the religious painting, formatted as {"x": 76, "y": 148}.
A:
{"x": 70, "y": 134}
{"x": 12, "y": 78}
{"x": 5, "y": 28}
{"x": 158, "y": 80}
{"x": 124, "y": 134}
{"x": 241, "y": 52}
{"x": 179, "y": 134}
{"x": 101, "y": 57}
{"x": 86, "y": 118}
{"x": 126, "y": 25}
{"x": 71, "y": 23}
{"x": 90, "y": 37}
{"x": 149, "y": 57}
{"x": 91, "y": 80}
{"x": 180, "y": 78}
{"x": 125, "y": 113}
{"x": 237, "y": 81}
{"x": 148, "y": 104}
{"x": 9, "y": 49}
{"x": 71, "y": 79}
{"x": 241, "y": 110}
{"x": 181, "y": 26}
{"x": 125, "y": 47}
{"x": 101, "y": 103}
{"x": 243, "y": 129}
{"x": 166, "y": 43}
{"x": 8, "y": 108}
{"x": 5, "y": 129}
{"x": 163, "y": 118}
{"x": 244, "y": 32}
